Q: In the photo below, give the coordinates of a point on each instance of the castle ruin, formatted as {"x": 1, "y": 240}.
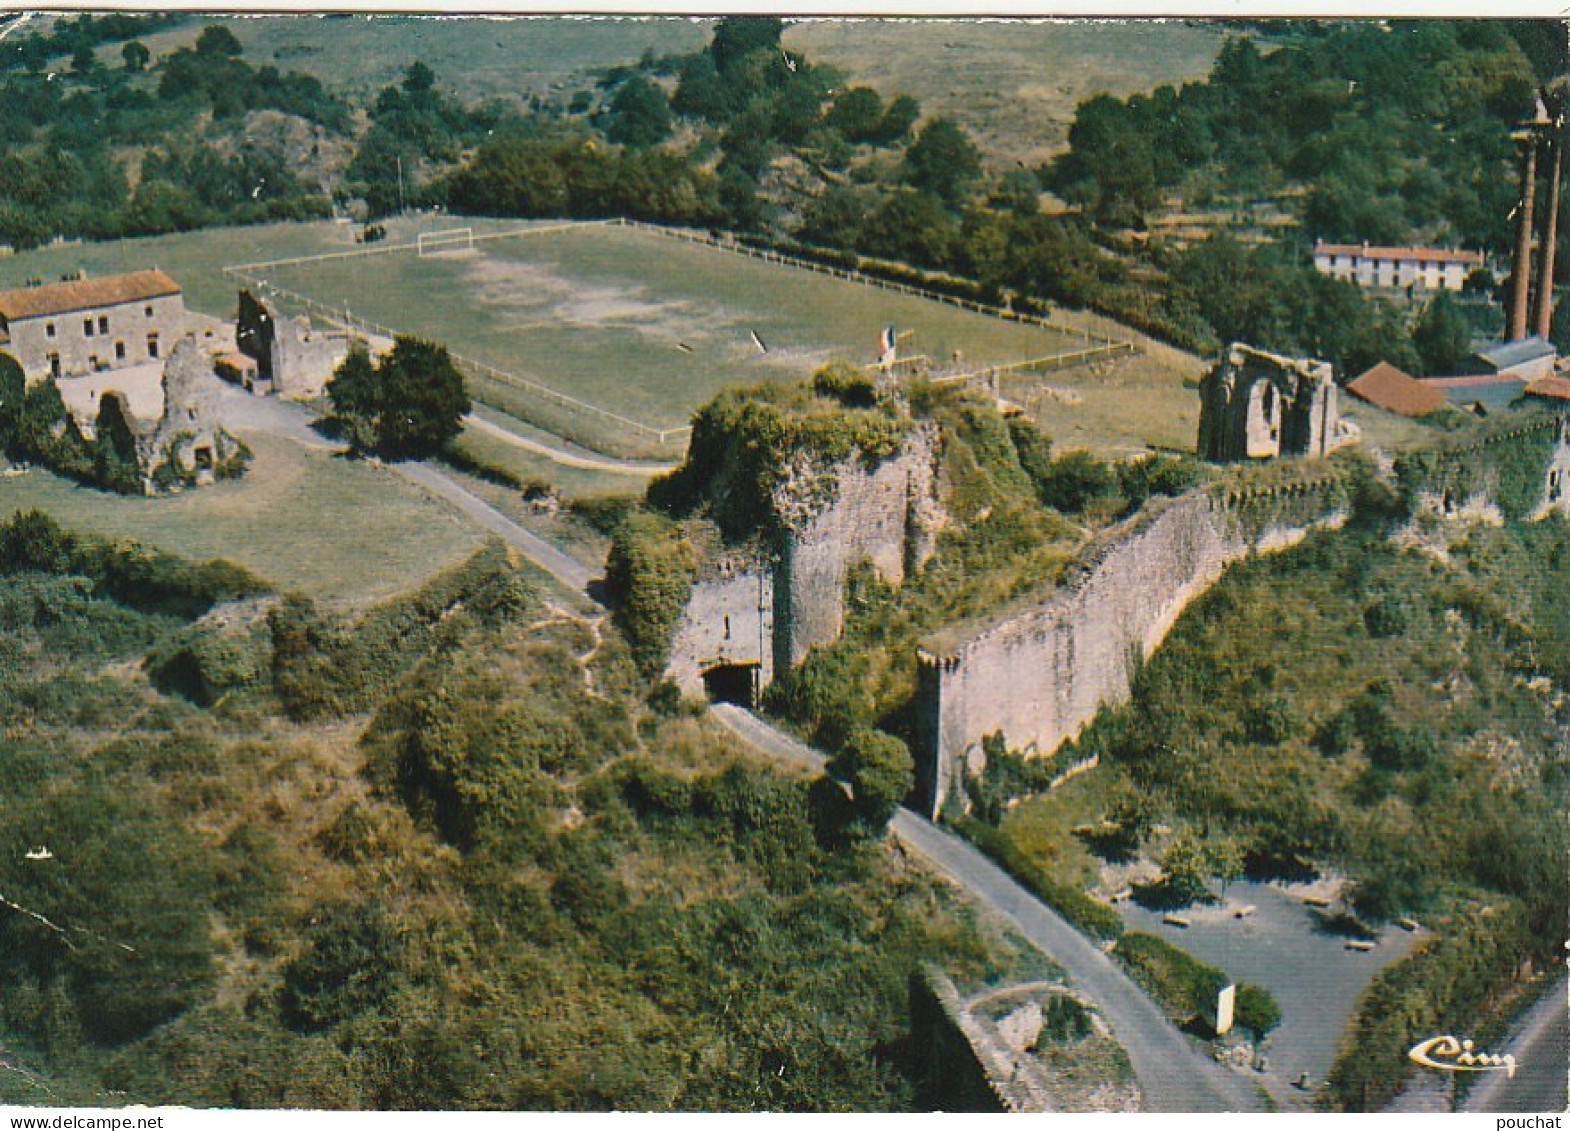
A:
{"x": 758, "y": 610}
{"x": 186, "y": 444}
{"x": 1257, "y": 405}
{"x": 292, "y": 359}
{"x": 1039, "y": 673}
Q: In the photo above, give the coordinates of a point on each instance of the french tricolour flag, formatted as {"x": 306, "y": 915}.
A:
{"x": 886, "y": 347}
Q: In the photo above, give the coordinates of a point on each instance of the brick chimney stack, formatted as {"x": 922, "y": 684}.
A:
{"x": 1549, "y": 244}
{"x": 1521, "y": 264}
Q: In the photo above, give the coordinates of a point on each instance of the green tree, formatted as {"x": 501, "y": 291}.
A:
{"x": 1559, "y": 329}
{"x": 639, "y": 115}
{"x": 409, "y": 405}
{"x": 737, "y": 37}
{"x": 353, "y": 392}
{"x": 898, "y": 120}
{"x": 944, "y": 161}
{"x": 881, "y": 774}
{"x": 13, "y": 392}
{"x": 423, "y": 400}
{"x": 1185, "y": 868}
{"x": 1255, "y": 1009}
{"x": 217, "y": 41}
{"x": 856, "y": 114}
{"x": 136, "y": 56}
{"x": 1441, "y": 336}
{"x": 1224, "y": 860}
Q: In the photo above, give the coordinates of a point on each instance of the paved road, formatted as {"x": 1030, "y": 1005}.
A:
{"x": 1173, "y": 1075}
{"x": 1540, "y": 1043}
{"x": 564, "y": 568}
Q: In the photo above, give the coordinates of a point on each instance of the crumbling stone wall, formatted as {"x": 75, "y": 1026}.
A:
{"x": 1257, "y": 405}
{"x": 1040, "y": 672}
{"x": 728, "y": 620}
{"x": 886, "y": 516}
{"x": 292, "y": 359}
{"x": 781, "y": 600}
{"x": 187, "y": 444}
{"x": 966, "y": 1063}
{"x": 1522, "y": 472}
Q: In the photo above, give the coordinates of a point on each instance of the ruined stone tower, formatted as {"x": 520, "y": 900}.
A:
{"x": 1256, "y": 405}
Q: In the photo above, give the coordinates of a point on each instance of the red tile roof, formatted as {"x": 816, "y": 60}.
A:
{"x": 85, "y": 294}
{"x": 1555, "y": 388}
{"x": 1391, "y": 389}
{"x": 1419, "y": 254}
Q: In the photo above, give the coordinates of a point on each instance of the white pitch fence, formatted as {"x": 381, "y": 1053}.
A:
{"x": 1106, "y": 344}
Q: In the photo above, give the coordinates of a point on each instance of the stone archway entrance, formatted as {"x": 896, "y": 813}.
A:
{"x": 732, "y": 683}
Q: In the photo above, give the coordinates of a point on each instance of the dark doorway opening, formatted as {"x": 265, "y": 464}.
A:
{"x": 732, "y": 683}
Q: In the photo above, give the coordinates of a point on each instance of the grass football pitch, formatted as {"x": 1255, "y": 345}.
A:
{"x": 643, "y": 325}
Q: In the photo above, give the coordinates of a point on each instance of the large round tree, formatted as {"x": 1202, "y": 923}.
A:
{"x": 409, "y": 405}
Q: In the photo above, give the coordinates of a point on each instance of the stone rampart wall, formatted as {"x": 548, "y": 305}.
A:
{"x": 1039, "y": 673}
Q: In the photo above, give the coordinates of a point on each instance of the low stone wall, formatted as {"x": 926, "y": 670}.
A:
{"x": 1040, "y": 672}
{"x": 965, "y": 1061}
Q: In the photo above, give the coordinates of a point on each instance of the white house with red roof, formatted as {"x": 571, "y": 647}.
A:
{"x": 1431, "y": 268}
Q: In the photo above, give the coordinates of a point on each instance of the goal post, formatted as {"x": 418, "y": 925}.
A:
{"x": 447, "y": 240}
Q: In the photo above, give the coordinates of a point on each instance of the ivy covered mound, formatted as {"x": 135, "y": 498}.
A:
{"x": 761, "y": 458}
{"x": 748, "y": 443}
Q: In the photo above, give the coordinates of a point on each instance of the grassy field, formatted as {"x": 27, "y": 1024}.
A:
{"x": 643, "y": 325}
{"x": 196, "y": 259}
{"x": 476, "y": 57}
{"x": 340, "y": 531}
{"x": 1012, "y": 83}
{"x": 639, "y": 305}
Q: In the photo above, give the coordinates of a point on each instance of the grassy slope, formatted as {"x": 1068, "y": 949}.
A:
{"x": 584, "y": 955}
{"x": 475, "y": 57}
{"x": 337, "y": 530}
{"x": 1013, "y": 84}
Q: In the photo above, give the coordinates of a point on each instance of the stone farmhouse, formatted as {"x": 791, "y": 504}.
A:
{"x": 89, "y": 325}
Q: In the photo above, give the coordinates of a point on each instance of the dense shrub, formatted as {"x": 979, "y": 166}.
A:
{"x": 648, "y": 576}
{"x": 137, "y": 576}
{"x": 1184, "y": 986}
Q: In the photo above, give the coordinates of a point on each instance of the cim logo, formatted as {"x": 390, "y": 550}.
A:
{"x": 1450, "y": 1055}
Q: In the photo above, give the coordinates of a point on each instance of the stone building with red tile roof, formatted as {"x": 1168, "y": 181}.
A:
{"x": 87, "y": 325}
{"x": 1432, "y": 268}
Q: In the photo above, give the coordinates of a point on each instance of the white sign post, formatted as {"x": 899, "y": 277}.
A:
{"x": 1225, "y": 1001}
